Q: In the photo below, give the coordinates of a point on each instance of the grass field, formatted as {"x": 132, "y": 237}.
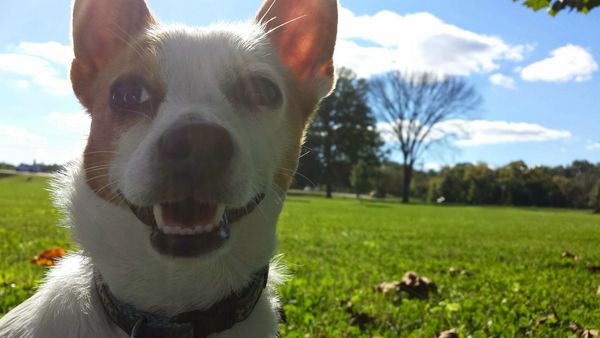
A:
{"x": 338, "y": 250}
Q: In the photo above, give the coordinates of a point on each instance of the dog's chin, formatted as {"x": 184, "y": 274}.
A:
{"x": 190, "y": 228}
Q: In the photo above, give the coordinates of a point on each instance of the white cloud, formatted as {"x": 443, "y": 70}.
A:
{"x": 468, "y": 133}
{"x": 19, "y": 145}
{"x": 502, "y": 80}
{"x": 22, "y": 84}
{"x": 51, "y": 50}
{"x": 482, "y": 132}
{"x": 565, "y": 64}
{"x": 77, "y": 123}
{"x": 41, "y": 64}
{"x": 593, "y": 146}
{"x": 417, "y": 42}
{"x": 432, "y": 166}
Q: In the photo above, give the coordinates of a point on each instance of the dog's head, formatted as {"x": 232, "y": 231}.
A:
{"x": 192, "y": 128}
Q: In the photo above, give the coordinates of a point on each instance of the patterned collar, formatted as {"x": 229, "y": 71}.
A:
{"x": 194, "y": 324}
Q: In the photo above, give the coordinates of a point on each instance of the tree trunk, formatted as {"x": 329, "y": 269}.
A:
{"x": 406, "y": 183}
{"x": 328, "y": 169}
{"x": 327, "y": 154}
{"x": 328, "y": 189}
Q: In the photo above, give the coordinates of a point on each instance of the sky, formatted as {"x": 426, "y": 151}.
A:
{"x": 539, "y": 76}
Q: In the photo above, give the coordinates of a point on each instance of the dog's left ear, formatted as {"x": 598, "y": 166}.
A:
{"x": 304, "y": 33}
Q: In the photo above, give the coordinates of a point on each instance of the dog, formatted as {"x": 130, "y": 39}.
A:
{"x": 195, "y": 135}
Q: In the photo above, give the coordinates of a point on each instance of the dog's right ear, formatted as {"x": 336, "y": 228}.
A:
{"x": 101, "y": 29}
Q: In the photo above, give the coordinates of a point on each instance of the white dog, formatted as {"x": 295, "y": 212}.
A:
{"x": 195, "y": 136}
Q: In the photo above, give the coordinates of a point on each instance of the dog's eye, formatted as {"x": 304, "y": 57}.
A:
{"x": 256, "y": 92}
{"x": 128, "y": 94}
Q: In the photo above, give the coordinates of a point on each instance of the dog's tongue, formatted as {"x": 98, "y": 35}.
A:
{"x": 189, "y": 214}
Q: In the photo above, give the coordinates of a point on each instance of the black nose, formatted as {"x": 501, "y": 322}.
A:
{"x": 199, "y": 149}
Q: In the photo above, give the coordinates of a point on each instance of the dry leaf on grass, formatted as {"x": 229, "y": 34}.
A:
{"x": 455, "y": 271}
{"x": 591, "y": 333}
{"x": 448, "y": 334}
{"x": 386, "y": 287}
{"x": 417, "y": 286}
{"x": 594, "y": 268}
{"x": 49, "y": 257}
{"x": 359, "y": 319}
{"x": 570, "y": 255}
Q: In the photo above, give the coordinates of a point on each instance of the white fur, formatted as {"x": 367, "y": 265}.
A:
{"x": 117, "y": 244}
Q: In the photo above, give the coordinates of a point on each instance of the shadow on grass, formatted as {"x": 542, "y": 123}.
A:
{"x": 293, "y": 200}
{"x": 375, "y": 205}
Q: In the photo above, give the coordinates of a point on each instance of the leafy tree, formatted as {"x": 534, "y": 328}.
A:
{"x": 413, "y": 104}
{"x": 555, "y": 6}
{"x": 595, "y": 198}
{"x": 343, "y": 132}
{"x": 390, "y": 178}
{"x": 512, "y": 179}
{"x": 362, "y": 177}
{"x": 482, "y": 186}
{"x": 6, "y": 166}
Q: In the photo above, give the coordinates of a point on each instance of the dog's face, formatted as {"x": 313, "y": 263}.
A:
{"x": 193, "y": 128}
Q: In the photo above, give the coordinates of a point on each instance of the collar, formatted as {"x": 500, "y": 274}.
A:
{"x": 222, "y": 316}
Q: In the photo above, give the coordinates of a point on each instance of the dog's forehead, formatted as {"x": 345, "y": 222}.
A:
{"x": 203, "y": 59}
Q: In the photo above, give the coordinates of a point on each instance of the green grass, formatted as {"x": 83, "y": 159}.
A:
{"x": 338, "y": 250}
{"x": 28, "y": 224}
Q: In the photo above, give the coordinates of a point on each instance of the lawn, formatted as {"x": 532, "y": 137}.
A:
{"x": 339, "y": 250}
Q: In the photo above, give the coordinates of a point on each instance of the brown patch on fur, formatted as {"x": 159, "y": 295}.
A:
{"x": 107, "y": 125}
{"x": 306, "y": 47}
{"x": 110, "y": 41}
{"x": 301, "y": 107}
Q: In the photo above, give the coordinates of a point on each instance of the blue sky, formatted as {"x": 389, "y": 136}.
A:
{"x": 538, "y": 75}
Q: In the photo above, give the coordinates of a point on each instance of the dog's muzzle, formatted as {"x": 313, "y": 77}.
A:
{"x": 190, "y": 228}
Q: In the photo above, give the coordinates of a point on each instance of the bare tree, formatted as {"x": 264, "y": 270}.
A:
{"x": 413, "y": 104}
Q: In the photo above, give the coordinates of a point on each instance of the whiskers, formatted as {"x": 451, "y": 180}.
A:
{"x": 270, "y": 31}
{"x": 264, "y": 23}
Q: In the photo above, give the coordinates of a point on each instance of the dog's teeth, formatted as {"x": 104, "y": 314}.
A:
{"x": 218, "y": 214}
{"x": 157, "y": 209}
{"x": 179, "y": 230}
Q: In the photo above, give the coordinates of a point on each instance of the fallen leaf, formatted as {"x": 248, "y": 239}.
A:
{"x": 417, "y": 286}
{"x": 591, "y": 333}
{"x": 386, "y": 287}
{"x": 455, "y": 271}
{"x": 594, "y": 269}
{"x": 359, "y": 319}
{"x": 448, "y": 334}
{"x": 575, "y": 328}
{"x": 48, "y": 257}
{"x": 549, "y": 319}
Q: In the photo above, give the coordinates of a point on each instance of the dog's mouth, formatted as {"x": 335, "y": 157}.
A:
{"x": 190, "y": 228}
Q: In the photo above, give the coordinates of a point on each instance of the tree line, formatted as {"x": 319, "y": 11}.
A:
{"x": 576, "y": 185}
{"x": 344, "y": 150}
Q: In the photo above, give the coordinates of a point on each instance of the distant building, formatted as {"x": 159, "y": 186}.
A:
{"x": 32, "y": 168}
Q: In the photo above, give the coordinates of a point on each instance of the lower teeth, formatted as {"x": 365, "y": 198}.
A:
{"x": 175, "y": 230}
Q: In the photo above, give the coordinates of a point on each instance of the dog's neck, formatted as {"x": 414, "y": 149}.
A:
{"x": 118, "y": 247}
{"x": 221, "y": 316}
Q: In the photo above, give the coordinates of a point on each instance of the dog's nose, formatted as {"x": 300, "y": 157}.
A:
{"x": 200, "y": 149}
